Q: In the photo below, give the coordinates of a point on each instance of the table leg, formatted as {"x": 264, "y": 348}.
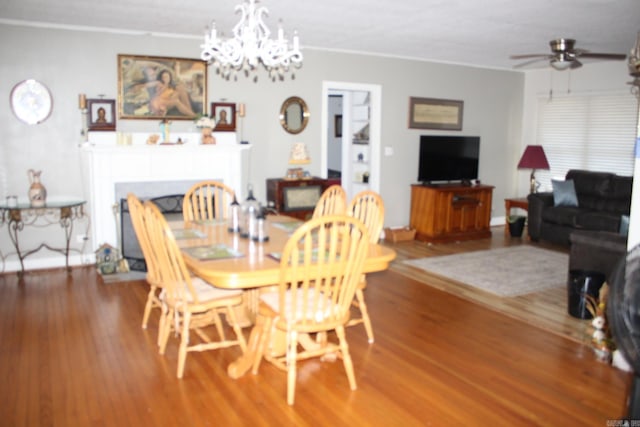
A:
{"x": 242, "y": 364}
{"x": 507, "y": 208}
{"x": 14, "y": 228}
{"x": 67, "y": 224}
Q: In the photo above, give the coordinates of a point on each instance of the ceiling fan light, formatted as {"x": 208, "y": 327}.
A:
{"x": 560, "y": 65}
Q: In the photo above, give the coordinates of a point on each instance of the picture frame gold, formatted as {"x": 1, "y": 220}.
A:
{"x": 433, "y": 113}
{"x": 157, "y": 87}
{"x": 224, "y": 113}
{"x": 101, "y": 114}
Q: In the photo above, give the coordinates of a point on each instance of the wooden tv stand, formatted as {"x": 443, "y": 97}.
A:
{"x": 450, "y": 212}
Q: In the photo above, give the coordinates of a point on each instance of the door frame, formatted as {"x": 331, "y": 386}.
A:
{"x": 375, "y": 126}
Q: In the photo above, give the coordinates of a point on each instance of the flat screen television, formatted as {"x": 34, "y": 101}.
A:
{"x": 445, "y": 158}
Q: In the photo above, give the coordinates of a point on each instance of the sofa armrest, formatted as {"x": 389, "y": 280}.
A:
{"x": 537, "y": 203}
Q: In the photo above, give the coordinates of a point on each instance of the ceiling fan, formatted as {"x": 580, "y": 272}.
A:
{"x": 564, "y": 56}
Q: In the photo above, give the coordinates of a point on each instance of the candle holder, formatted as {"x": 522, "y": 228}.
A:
{"x": 84, "y": 113}
{"x": 82, "y": 105}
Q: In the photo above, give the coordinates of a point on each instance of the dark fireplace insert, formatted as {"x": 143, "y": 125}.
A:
{"x": 170, "y": 206}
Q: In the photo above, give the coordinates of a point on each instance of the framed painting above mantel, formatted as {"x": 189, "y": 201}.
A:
{"x": 155, "y": 87}
{"x": 432, "y": 113}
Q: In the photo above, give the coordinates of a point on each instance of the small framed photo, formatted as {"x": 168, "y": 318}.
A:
{"x": 224, "y": 113}
{"x": 102, "y": 114}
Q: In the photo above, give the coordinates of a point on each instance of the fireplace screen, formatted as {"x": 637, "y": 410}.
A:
{"x": 171, "y": 206}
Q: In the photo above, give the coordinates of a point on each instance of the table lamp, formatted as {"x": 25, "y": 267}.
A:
{"x": 533, "y": 158}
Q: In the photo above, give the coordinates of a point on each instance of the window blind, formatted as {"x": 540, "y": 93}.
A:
{"x": 594, "y": 132}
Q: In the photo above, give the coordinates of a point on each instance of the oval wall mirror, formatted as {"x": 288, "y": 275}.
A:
{"x": 294, "y": 115}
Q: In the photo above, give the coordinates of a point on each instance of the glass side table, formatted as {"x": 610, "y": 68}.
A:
{"x": 17, "y": 216}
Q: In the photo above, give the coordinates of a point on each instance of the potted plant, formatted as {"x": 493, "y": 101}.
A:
{"x": 516, "y": 225}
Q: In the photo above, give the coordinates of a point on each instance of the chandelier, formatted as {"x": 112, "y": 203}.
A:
{"x": 251, "y": 45}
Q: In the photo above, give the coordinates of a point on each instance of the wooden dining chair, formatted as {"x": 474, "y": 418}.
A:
{"x": 333, "y": 200}
{"x": 206, "y": 201}
{"x": 191, "y": 303}
{"x": 136, "y": 209}
{"x": 320, "y": 268}
{"x": 368, "y": 207}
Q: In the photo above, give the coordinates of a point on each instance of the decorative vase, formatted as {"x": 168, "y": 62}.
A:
{"x": 37, "y": 192}
{"x": 207, "y": 136}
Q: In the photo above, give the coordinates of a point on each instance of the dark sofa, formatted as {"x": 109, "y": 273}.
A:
{"x": 603, "y": 198}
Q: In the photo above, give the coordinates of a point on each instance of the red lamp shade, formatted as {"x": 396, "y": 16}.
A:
{"x": 533, "y": 158}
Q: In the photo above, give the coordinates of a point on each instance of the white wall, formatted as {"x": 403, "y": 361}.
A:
{"x": 72, "y": 62}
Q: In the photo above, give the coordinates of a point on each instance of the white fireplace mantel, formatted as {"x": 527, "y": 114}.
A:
{"x": 104, "y": 166}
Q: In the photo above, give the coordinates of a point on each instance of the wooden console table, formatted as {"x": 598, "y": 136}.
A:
{"x": 451, "y": 212}
{"x": 17, "y": 217}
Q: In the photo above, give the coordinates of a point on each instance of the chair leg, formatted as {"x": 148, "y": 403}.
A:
{"x": 262, "y": 333}
{"x": 166, "y": 329}
{"x": 219, "y": 326}
{"x": 162, "y": 323}
{"x": 292, "y": 348}
{"x": 346, "y": 357}
{"x": 365, "y": 314}
{"x": 148, "y": 306}
{"x": 184, "y": 343}
{"x": 231, "y": 315}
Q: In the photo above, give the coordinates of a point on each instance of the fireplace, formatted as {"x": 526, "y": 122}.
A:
{"x": 151, "y": 171}
{"x": 167, "y": 196}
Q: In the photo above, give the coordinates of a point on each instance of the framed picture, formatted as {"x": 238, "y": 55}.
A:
{"x": 102, "y": 114}
{"x": 337, "y": 123}
{"x": 155, "y": 87}
{"x": 431, "y": 113}
{"x": 224, "y": 113}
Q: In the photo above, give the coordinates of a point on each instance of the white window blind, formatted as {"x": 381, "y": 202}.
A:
{"x": 592, "y": 132}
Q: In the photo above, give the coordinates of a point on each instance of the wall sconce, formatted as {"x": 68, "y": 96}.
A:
{"x": 82, "y": 105}
{"x": 241, "y": 111}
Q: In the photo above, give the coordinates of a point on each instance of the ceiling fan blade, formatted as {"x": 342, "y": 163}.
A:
{"x": 531, "y": 61}
{"x": 610, "y": 56}
{"x": 535, "y": 55}
{"x": 575, "y": 64}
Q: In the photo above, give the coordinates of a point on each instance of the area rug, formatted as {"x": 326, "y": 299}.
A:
{"x": 506, "y": 272}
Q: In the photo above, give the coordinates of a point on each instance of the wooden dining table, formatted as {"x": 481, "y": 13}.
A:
{"x": 227, "y": 260}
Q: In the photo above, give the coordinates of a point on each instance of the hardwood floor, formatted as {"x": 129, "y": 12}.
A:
{"x": 73, "y": 354}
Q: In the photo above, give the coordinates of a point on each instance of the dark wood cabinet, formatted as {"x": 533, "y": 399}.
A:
{"x": 446, "y": 213}
{"x": 295, "y": 197}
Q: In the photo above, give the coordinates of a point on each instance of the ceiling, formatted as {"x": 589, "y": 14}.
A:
{"x": 480, "y": 33}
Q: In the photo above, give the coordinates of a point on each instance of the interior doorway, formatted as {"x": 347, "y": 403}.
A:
{"x": 350, "y": 146}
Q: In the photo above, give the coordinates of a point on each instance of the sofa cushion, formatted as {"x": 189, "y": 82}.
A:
{"x": 621, "y": 187}
{"x": 589, "y": 182}
{"x": 562, "y": 215}
{"x": 594, "y": 220}
{"x": 564, "y": 193}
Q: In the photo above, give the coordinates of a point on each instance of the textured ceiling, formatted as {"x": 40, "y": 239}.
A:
{"x": 475, "y": 32}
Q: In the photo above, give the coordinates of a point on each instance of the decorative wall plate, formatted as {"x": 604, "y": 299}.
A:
{"x": 31, "y": 101}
